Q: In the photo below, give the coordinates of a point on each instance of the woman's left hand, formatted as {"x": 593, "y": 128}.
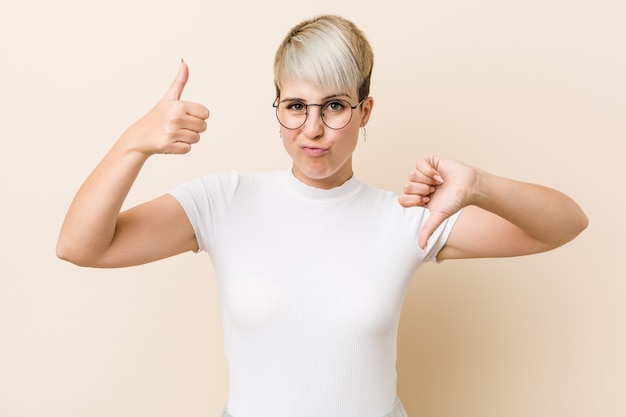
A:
{"x": 444, "y": 186}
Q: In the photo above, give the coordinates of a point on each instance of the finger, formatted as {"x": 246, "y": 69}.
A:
{"x": 178, "y": 85}
{"x": 179, "y": 148}
{"x": 432, "y": 223}
{"x": 197, "y": 110}
{"x": 187, "y": 136}
{"x": 196, "y": 125}
{"x": 427, "y": 168}
{"x": 182, "y": 143}
{"x": 418, "y": 176}
{"x": 188, "y": 122}
{"x": 418, "y": 188}
{"x": 413, "y": 200}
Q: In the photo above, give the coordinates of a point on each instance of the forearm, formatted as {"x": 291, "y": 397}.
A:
{"x": 545, "y": 214}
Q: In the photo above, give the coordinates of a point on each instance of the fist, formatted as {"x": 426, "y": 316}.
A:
{"x": 443, "y": 186}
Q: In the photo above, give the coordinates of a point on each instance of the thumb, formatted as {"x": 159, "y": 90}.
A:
{"x": 432, "y": 223}
{"x": 178, "y": 85}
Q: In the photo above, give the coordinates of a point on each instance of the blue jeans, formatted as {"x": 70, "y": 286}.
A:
{"x": 396, "y": 411}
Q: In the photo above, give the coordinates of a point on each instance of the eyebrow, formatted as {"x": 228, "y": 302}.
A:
{"x": 330, "y": 97}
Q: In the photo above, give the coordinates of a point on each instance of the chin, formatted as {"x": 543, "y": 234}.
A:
{"x": 318, "y": 172}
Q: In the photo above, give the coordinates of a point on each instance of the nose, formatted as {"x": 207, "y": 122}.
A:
{"x": 313, "y": 126}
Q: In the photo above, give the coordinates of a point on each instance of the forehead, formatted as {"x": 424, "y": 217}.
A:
{"x": 308, "y": 91}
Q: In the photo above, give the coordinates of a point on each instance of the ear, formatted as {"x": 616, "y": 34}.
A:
{"x": 366, "y": 109}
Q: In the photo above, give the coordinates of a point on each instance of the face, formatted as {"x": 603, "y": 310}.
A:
{"x": 322, "y": 157}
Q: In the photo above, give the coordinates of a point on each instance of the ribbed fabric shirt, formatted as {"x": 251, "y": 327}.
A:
{"x": 311, "y": 284}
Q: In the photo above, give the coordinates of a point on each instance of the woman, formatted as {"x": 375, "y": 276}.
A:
{"x": 312, "y": 264}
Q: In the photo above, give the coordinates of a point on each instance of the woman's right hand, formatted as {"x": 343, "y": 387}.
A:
{"x": 172, "y": 126}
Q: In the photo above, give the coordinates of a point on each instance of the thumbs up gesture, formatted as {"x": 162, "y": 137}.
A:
{"x": 172, "y": 125}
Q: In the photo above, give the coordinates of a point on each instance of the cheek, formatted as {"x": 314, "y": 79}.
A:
{"x": 351, "y": 138}
{"x": 288, "y": 138}
{"x": 287, "y": 135}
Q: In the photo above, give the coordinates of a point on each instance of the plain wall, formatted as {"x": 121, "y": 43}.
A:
{"x": 527, "y": 89}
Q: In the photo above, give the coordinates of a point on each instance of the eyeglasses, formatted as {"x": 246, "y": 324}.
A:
{"x": 292, "y": 114}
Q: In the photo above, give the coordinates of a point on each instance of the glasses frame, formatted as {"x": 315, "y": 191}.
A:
{"x": 306, "y": 113}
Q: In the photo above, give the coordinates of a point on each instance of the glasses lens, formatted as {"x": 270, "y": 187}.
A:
{"x": 291, "y": 114}
{"x": 336, "y": 114}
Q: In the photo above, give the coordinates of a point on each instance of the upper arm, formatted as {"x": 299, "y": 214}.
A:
{"x": 479, "y": 233}
{"x": 148, "y": 232}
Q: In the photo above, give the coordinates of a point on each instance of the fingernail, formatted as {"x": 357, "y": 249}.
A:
{"x": 438, "y": 179}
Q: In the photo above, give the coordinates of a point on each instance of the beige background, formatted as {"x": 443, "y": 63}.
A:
{"x": 529, "y": 89}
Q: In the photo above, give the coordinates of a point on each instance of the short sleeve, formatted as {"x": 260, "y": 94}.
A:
{"x": 205, "y": 200}
{"x": 439, "y": 237}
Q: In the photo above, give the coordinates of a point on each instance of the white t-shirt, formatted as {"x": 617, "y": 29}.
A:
{"x": 311, "y": 284}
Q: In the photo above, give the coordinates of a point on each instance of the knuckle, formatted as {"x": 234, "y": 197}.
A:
{"x": 179, "y": 106}
{"x": 177, "y": 119}
{"x": 170, "y": 126}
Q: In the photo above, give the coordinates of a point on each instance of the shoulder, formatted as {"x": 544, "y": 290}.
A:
{"x": 382, "y": 199}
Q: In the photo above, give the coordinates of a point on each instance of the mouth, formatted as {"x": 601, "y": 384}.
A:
{"x": 313, "y": 151}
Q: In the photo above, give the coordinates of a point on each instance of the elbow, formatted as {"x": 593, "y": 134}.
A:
{"x": 580, "y": 221}
{"x": 64, "y": 253}
{"x": 572, "y": 224}
{"x": 67, "y": 252}
{"x": 577, "y": 225}
{"x": 582, "y": 224}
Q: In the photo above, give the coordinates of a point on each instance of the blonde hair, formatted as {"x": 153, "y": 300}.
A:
{"x": 329, "y": 51}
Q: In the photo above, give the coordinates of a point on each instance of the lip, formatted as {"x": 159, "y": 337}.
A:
{"x": 313, "y": 151}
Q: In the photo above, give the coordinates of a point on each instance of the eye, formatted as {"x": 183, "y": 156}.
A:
{"x": 335, "y": 106}
{"x": 295, "y": 106}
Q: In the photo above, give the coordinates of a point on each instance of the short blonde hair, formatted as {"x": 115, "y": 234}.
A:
{"x": 329, "y": 51}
